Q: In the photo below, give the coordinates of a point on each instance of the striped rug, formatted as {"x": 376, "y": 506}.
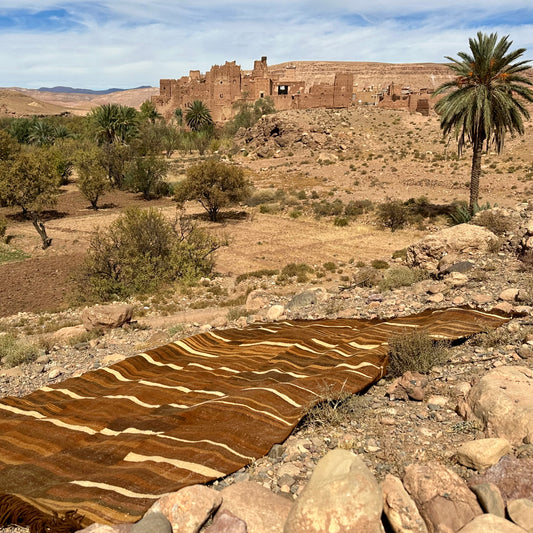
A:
{"x": 109, "y": 443}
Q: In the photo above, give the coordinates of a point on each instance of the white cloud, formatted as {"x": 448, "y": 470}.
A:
{"x": 129, "y": 43}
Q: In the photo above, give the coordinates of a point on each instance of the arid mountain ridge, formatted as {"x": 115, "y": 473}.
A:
{"x": 16, "y": 101}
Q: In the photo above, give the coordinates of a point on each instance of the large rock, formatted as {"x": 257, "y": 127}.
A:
{"x": 489, "y": 523}
{"x": 503, "y": 401}
{"x": 65, "y": 335}
{"x": 482, "y": 453}
{"x": 342, "y": 495}
{"x": 189, "y": 508}
{"x": 226, "y": 522}
{"x": 490, "y": 498}
{"x": 257, "y": 300}
{"x": 442, "y": 497}
{"x": 521, "y": 513}
{"x": 400, "y": 509}
{"x": 261, "y": 510}
{"x": 153, "y": 523}
{"x": 106, "y": 316}
{"x": 514, "y": 478}
{"x": 461, "y": 240}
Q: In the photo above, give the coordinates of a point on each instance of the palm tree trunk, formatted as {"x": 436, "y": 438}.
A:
{"x": 475, "y": 175}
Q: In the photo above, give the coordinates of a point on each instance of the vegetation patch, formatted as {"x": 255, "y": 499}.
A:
{"x": 14, "y": 351}
{"x": 416, "y": 352}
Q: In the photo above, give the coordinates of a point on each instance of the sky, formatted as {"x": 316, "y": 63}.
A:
{"x": 98, "y": 44}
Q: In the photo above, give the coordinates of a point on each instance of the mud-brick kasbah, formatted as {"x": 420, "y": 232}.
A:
{"x": 304, "y": 85}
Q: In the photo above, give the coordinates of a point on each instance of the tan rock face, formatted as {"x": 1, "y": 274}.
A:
{"x": 64, "y": 335}
{"x": 483, "y": 453}
{"x": 503, "y": 401}
{"x": 400, "y": 509}
{"x": 342, "y": 495}
{"x": 442, "y": 497}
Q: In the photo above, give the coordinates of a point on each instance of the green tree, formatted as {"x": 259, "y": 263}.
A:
{"x": 198, "y": 117}
{"x": 485, "y": 100}
{"x": 20, "y": 129}
{"x": 263, "y": 106}
{"x": 147, "y": 176}
{"x": 31, "y": 182}
{"x": 9, "y": 147}
{"x": 215, "y": 185}
{"x": 149, "y": 112}
{"x": 178, "y": 116}
{"x": 92, "y": 176}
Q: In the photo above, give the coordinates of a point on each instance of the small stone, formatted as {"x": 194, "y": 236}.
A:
{"x": 525, "y": 351}
{"x": 112, "y": 359}
{"x": 275, "y": 312}
{"x": 436, "y": 298}
{"x": 458, "y": 300}
{"x": 506, "y": 307}
{"x": 521, "y": 513}
{"x": 482, "y": 299}
{"x": 490, "y": 498}
{"x": 509, "y": 295}
{"x": 482, "y": 453}
{"x": 55, "y": 372}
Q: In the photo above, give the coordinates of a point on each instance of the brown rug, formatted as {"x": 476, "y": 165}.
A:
{"x": 109, "y": 443}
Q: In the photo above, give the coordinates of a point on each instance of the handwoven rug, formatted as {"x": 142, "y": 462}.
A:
{"x": 109, "y": 443}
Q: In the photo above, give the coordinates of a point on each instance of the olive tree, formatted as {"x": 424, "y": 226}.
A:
{"x": 215, "y": 185}
{"x": 30, "y": 181}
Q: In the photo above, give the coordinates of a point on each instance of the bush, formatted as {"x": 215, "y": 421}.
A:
{"x": 493, "y": 221}
{"x": 402, "y": 277}
{"x": 354, "y": 209}
{"x": 146, "y": 175}
{"x": 14, "y": 352}
{"x": 392, "y": 215}
{"x": 367, "y": 277}
{"x": 379, "y": 264}
{"x": 416, "y": 352}
{"x": 325, "y": 208}
{"x": 214, "y": 185}
{"x": 141, "y": 251}
{"x": 340, "y": 222}
{"x": 298, "y": 270}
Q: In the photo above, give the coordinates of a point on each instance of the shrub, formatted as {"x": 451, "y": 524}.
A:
{"x": 402, "y": 277}
{"x": 367, "y": 277}
{"x": 392, "y": 215}
{"x": 214, "y": 185}
{"x": 416, "y": 352}
{"x": 256, "y": 274}
{"x": 493, "y": 221}
{"x": 14, "y": 352}
{"x": 147, "y": 176}
{"x": 358, "y": 207}
{"x": 330, "y": 266}
{"x": 379, "y": 264}
{"x": 141, "y": 251}
{"x": 298, "y": 270}
{"x": 325, "y": 208}
{"x": 340, "y": 222}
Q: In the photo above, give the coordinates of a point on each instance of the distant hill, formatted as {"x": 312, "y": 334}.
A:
{"x": 19, "y": 104}
{"x": 62, "y": 89}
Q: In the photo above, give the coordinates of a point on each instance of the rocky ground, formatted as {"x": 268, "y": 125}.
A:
{"x": 388, "y": 430}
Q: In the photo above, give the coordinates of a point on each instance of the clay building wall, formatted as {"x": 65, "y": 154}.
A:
{"x": 224, "y": 85}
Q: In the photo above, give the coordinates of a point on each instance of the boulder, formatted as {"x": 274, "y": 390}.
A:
{"x": 502, "y": 401}
{"x": 442, "y": 497}
{"x": 461, "y": 240}
{"x": 342, "y": 495}
{"x": 256, "y": 300}
{"x": 64, "y": 335}
{"x": 400, "y": 509}
{"x": 482, "y": 453}
{"x": 103, "y": 528}
{"x": 275, "y": 312}
{"x": 490, "y": 498}
{"x": 411, "y": 385}
{"x": 153, "y": 523}
{"x": 261, "y": 510}
{"x": 512, "y": 476}
{"x": 189, "y": 508}
{"x": 106, "y": 316}
{"x": 521, "y": 513}
{"x": 226, "y": 522}
{"x": 488, "y": 523}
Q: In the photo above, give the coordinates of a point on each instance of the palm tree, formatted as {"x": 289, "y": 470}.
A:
{"x": 198, "y": 116}
{"x": 485, "y": 100}
{"x": 149, "y": 112}
{"x": 113, "y": 122}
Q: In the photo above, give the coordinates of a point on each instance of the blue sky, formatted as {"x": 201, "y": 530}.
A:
{"x": 99, "y": 44}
